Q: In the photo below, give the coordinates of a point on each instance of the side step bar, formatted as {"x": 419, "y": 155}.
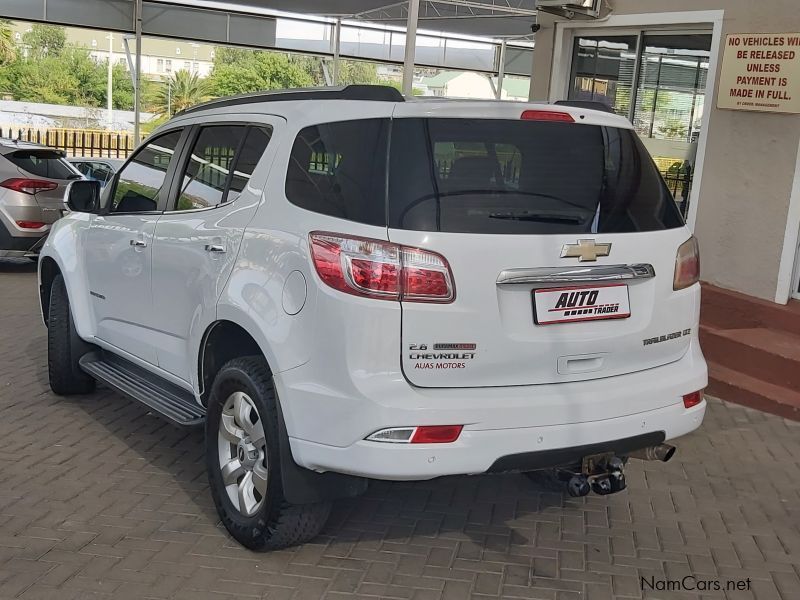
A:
{"x": 163, "y": 397}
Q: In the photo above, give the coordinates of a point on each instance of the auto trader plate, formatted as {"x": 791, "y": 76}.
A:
{"x": 581, "y": 303}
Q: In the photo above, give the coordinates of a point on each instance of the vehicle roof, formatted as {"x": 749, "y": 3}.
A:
{"x": 311, "y": 111}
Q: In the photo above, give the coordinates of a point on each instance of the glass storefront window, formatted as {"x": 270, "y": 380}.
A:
{"x": 603, "y": 69}
{"x": 660, "y": 88}
{"x": 671, "y": 84}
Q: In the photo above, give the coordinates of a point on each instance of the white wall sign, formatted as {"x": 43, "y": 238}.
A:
{"x": 761, "y": 72}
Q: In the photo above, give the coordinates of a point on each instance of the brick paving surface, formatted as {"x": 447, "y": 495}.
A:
{"x": 99, "y": 499}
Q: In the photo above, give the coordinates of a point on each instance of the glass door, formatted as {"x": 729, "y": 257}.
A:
{"x": 657, "y": 80}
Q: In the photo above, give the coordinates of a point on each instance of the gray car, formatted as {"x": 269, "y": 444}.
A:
{"x": 32, "y": 184}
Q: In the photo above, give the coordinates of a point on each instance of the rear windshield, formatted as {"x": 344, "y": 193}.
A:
{"x": 523, "y": 177}
{"x": 43, "y": 163}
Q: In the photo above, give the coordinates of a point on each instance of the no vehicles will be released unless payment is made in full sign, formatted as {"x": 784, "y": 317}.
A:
{"x": 761, "y": 71}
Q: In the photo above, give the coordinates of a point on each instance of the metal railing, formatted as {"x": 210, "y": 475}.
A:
{"x": 76, "y": 142}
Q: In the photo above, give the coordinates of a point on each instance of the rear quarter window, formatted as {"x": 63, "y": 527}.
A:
{"x": 339, "y": 169}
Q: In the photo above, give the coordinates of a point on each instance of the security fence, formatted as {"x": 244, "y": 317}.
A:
{"x": 76, "y": 142}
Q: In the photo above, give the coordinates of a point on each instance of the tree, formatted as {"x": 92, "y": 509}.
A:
{"x": 182, "y": 90}
{"x": 45, "y": 40}
{"x": 238, "y": 71}
{"x": 357, "y": 71}
{"x": 8, "y": 50}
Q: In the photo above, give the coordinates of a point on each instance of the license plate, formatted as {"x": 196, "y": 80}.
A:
{"x": 581, "y": 303}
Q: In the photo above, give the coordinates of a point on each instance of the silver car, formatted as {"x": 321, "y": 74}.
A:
{"x": 32, "y": 184}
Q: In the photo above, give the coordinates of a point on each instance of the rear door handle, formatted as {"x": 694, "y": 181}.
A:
{"x": 215, "y": 248}
{"x": 139, "y": 243}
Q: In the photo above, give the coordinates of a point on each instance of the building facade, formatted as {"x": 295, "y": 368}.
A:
{"x": 661, "y": 65}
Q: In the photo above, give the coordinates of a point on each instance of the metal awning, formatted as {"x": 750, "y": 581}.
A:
{"x": 485, "y": 18}
{"x": 253, "y": 23}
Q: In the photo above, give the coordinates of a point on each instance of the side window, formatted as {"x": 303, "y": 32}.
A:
{"x": 82, "y": 167}
{"x": 253, "y": 148}
{"x": 102, "y": 172}
{"x": 339, "y": 169}
{"x": 222, "y": 160}
{"x": 140, "y": 181}
{"x": 210, "y": 163}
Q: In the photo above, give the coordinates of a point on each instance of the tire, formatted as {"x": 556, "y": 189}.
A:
{"x": 64, "y": 346}
{"x": 241, "y": 407}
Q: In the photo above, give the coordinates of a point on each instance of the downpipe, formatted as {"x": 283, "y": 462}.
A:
{"x": 662, "y": 452}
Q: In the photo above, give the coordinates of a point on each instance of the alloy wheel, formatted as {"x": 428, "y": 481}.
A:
{"x": 242, "y": 449}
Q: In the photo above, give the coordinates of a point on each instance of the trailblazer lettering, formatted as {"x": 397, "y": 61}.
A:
{"x": 666, "y": 337}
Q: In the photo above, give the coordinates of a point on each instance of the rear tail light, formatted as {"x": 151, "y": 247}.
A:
{"x": 424, "y": 434}
{"x": 687, "y": 265}
{"x": 382, "y": 270}
{"x": 30, "y": 224}
{"x": 547, "y": 115}
{"x": 28, "y": 186}
{"x": 693, "y": 399}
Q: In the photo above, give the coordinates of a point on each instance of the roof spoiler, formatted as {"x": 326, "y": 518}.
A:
{"x": 374, "y": 93}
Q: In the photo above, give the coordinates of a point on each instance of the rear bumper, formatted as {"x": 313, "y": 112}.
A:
{"x": 528, "y": 448}
{"x": 16, "y": 245}
{"x": 327, "y": 429}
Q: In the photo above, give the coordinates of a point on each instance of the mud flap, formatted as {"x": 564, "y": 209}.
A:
{"x": 303, "y": 486}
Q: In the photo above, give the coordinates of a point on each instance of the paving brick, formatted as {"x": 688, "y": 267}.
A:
{"x": 115, "y": 504}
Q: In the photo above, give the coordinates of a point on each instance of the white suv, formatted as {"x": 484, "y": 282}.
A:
{"x": 342, "y": 285}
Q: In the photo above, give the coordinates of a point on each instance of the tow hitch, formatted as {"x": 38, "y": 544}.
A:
{"x": 602, "y": 474}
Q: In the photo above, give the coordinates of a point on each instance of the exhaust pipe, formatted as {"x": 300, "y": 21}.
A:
{"x": 662, "y": 452}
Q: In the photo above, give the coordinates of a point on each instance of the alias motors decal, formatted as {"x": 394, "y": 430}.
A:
{"x": 443, "y": 355}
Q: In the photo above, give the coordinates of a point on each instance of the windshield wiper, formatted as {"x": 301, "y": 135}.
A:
{"x": 540, "y": 217}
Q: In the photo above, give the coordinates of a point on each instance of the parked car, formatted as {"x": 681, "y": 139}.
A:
{"x": 101, "y": 169}
{"x": 33, "y": 179}
{"x": 341, "y": 285}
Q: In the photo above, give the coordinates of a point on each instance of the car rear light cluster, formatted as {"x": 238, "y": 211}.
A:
{"x": 28, "y": 186}
{"x": 687, "y": 265}
{"x": 382, "y": 270}
{"x": 30, "y": 224}
{"x": 693, "y": 399}
{"x": 424, "y": 434}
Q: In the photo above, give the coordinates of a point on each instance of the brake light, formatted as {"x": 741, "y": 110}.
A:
{"x": 436, "y": 434}
{"x": 382, "y": 270}
{"x": 424, "y": 434}
{"x": 687, "y": 265}
{"x": 547, "y": 115}
{"x": 28, "y": 186}
{"x": 693, "y": 399}
{"x": 30, "y": 224}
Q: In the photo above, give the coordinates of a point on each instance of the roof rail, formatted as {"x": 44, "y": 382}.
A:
{"x": 375, "y": 93}
{"x": 588, "y": 104}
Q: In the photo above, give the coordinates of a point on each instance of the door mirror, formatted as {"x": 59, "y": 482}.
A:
{"x": 83, "y": 195}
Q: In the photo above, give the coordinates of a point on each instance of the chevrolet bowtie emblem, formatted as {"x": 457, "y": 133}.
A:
{"x": 585, "y": 250}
